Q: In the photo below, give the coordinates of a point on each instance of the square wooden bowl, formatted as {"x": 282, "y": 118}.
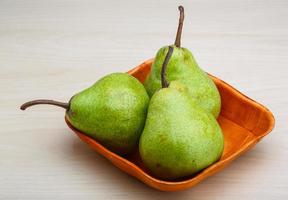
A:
{"x": 243, "y": 121}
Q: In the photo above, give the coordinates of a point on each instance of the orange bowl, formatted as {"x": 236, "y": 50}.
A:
{"x": 243, "y": 121}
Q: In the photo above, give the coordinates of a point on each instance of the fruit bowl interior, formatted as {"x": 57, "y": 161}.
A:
{"x": 243, "y": 121}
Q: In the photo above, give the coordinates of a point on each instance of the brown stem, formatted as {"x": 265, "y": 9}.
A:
{"x": 44, "y": 101}
{"x": 164, "y": 82}
{"x": 180, "y": 25}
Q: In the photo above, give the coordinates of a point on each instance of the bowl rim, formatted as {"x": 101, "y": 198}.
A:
{"x": 202, "y": 175}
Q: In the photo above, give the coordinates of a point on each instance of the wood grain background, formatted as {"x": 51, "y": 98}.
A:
{"x": 55, "y": 48}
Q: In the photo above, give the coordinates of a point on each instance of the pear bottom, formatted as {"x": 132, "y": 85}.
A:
{"x": 179, "y": 138}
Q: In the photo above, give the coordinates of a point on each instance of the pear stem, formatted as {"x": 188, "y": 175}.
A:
{"x": 44, "y": 101}
{"x": 180, "y": 25}
{"x": 164, "y": 81}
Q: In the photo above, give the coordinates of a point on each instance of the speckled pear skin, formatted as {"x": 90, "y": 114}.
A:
{"x": 179, "y": 138}
{"x": 112, "y": 111}
{"x": 183, "y": 67}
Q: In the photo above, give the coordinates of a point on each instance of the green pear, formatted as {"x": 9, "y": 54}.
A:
{"x": 112, "y": 111}
{"x": 183, "y": 67}
{"x": 179, "y": 138}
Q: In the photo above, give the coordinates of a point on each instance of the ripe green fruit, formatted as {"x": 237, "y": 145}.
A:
{"x": 179, "y": 138}
{"x": 183, "y": 67}
{"x": 112, "y": 111}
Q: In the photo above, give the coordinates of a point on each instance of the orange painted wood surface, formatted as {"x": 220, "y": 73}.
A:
{"x": 243, "y": 121}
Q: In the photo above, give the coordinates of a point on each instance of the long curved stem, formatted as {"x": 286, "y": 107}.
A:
{"x": 180, "y": 26}
{"x": 44, "y": 101}
{"x": 164, "y": 81}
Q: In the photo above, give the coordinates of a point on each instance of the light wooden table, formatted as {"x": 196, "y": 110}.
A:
{"x": 52, "y": 49}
